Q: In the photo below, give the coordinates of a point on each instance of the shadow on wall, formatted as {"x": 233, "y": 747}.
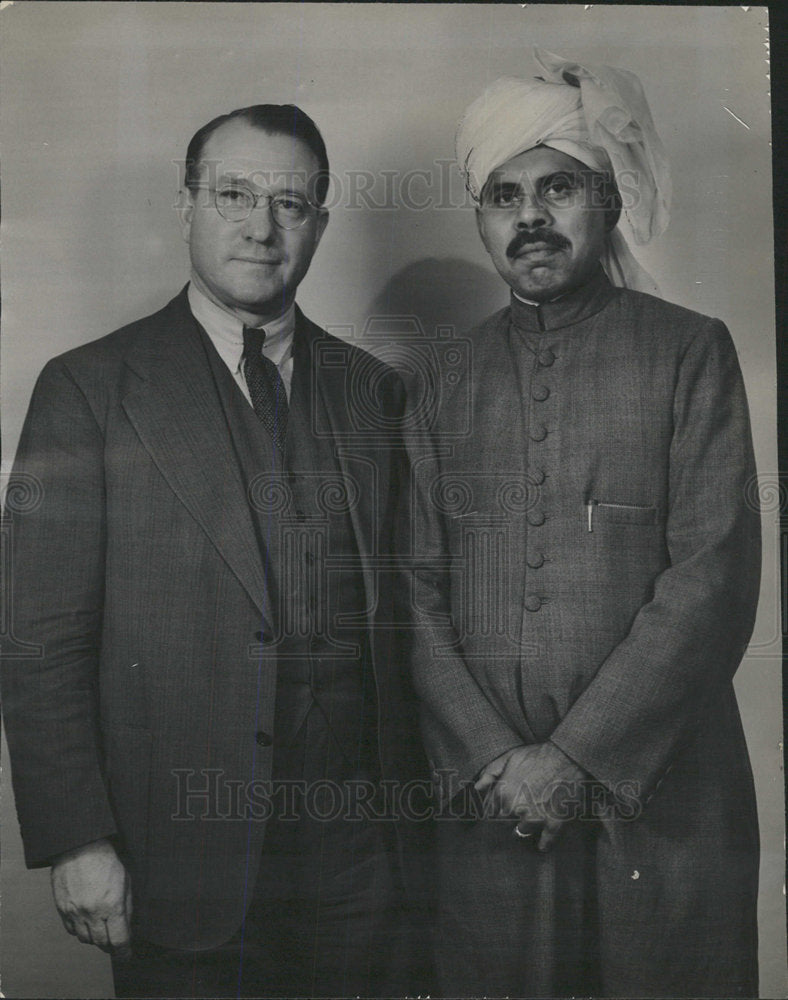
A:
{"x": 432, "y": 298}
{"x": 418, "y": 321}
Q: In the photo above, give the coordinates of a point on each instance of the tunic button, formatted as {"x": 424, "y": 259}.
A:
{"x": 263, "y": 739}
{"x": 309, "y": 558}
{"x": 264, "y": 635}
{"x": 533, "y": 602}
{"x": 538, "y": 432}
{"x": 540, "y": 393}
{"x": 536, "y": 476}
{"x": 535, "y": 561}
{"x": 546, "y": 357}
{"x": 535, "y": 518}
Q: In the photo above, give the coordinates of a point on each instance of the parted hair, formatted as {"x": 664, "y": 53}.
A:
{"x": 275, "y": 119}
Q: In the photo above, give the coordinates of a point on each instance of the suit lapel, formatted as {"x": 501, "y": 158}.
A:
{"x": 175, "y": 410}
{"x": 328, "y": 391}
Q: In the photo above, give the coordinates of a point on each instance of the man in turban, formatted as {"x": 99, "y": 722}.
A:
{"x": 605, "y": 570}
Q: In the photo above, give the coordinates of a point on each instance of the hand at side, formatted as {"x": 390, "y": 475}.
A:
{"x": 92, "y": 893}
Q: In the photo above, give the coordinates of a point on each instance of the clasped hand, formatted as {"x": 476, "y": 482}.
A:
{"x": 522, "y": 783}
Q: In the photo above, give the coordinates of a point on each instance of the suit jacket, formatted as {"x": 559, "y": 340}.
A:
{"x": 140, "y": 577}
{"x": 605, "y": 558}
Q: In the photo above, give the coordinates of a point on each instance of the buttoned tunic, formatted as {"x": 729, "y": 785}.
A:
{"x": 604, "y": 576}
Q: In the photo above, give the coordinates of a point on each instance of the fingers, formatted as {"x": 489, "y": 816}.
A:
{"x": 501, "y": 798}
{"x": 521, "y": 784}
{"x": 540, "y": 836}
{"x": 78, "y": 927}
{"x": 491, "y": 773}
{"x": 512, "y": 796}
{"x": 128, "y": 901}
{"x": 118, "y": 936}
{"x": 528, "y": 831}
{"x": 485, "y": 782}
{"x": 87, "y": 931}
{"x": 108, "y": 930}
{"x": 551, "y": 831}
{"x": 494, "y": 802}
{"x": 92, "y": 894}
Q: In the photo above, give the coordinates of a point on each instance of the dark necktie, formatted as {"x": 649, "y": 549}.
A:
{"x": 266, "y": 387}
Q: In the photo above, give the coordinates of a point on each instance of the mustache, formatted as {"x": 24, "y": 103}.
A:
{"x": 546, "y": 236}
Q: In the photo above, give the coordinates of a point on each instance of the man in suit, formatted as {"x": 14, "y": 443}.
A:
{"x": 198, "y": 748}
{"x": 605, "y": 570}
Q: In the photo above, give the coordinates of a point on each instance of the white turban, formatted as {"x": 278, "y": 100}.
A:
{"x": 596, "y": 114}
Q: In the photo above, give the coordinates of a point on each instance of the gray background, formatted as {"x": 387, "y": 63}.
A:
{"x": 99, "y": 101}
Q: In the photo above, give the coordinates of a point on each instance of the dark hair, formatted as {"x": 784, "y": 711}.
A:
{"x": 275, "y": 119}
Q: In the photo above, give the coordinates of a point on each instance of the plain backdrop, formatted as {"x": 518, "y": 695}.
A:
{"x": 99, "y": 101}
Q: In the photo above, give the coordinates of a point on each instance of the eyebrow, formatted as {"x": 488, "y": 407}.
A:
{"x": 498, "y": 185}
{"x": 280, "y": 185}
{"x": 564, "y": 175}
{"x": 228, "y": 179}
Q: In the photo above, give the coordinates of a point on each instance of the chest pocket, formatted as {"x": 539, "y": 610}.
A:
{"x": 601, "y": 512}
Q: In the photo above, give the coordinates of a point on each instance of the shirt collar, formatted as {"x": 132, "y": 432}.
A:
{"x": 528, "y": 302}
{"x": 567, "y": 309}
{"x": 226, "y": 330}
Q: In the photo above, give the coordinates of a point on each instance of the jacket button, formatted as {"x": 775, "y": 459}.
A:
{"x": 535, "y": 561}
{"x": 546, "y": 357}
{"x": 538, "y": 432}
{"x": 540, "y": 393}
{"x": 300, "y": 515}
{"x": 263, "y": 635}
{"x": 535, "y": 518}
{"x": 536, "y": 476}
{"x": 262, "y": 738}
{"x": 533, "y": 602}
{"x": 309, "y": 558}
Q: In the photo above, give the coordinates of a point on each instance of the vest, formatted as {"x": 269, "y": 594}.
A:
{"x": 300, "y": 510}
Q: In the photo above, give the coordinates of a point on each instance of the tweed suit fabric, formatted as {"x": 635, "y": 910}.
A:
{"x": 607, "y": 464}
{"x": 141, "y": 578}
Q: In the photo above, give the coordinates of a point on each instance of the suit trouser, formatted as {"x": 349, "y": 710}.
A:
{"x": 325, "y": 917}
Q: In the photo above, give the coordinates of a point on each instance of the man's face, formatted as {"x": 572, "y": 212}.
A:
{"x": 251, "y": 267}
{"x": 540, "y": 224}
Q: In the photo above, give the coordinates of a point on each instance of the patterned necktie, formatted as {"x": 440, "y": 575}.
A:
{"x": 266, "y": 387}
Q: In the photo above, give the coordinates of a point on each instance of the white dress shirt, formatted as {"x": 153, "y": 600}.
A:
{"x": 226, "y": 333}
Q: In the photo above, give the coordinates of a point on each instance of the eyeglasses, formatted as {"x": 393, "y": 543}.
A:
{"x": 289, "y": 211}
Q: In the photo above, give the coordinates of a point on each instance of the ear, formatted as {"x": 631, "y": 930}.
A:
{"x": 612, "y": 215}
{"x": 320, "y": 226}
{"x": 480, "y": 225}
{"x": 186, "y": 213}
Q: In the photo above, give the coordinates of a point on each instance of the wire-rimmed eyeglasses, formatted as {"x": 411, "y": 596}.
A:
{"x": 288, "y": 210}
